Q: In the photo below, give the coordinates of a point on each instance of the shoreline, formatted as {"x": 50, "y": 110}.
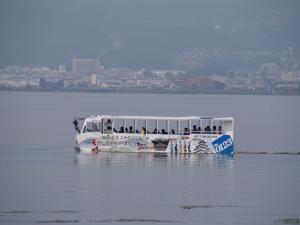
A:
{"x": 150, "y": 91}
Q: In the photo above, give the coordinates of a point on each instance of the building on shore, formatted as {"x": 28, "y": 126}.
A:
{"x": 85, "y": 66}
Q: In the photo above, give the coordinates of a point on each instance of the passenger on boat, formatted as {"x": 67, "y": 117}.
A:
{"x": 194, "y": 131}
{"x": 131, "y": 130}
{"x": 186, "y": 131}
{"x": 121, "y": 130}
{"x": 163, "y": 131}
{"x": 126, "y": 130}
{"x": 220, "y": 130}
{"x": 155, "y": 131}
{"x": 75, "y": 122}
{"x": 173, "y": 131}
{"x": 108, "y": 124}
{"x": 214, "y": 130}
{"x": 95, "y": 128}
{"x": 199, "y": 130}
{"x": 207, "y": 130}
{"x": 115, "y": 130}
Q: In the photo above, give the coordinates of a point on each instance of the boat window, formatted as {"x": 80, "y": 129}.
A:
{"x": 184, "y": 127}
{"x": 214, "y": 126}
{"x": 162, "y": 127}
{"x": 96, "y": 126}
{"x": 89, "y": 126}
{"x": 151, "y": 127}
{"x": 130, "y": 126}
{"x": 140, "y": 126}
{"x": 173, "y": 127}
{"x": 195, "y": 127}
{"x": 227, "y": 126}
{"x": 206, "y": 126}
{"x": 220, "y": 127}
{"x": 107, "y": 125}
{"x": 118, "y": 126}
{"x": 217, "y": 126}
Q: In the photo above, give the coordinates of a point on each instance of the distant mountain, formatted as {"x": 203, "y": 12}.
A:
{"x": 142, "y": 33}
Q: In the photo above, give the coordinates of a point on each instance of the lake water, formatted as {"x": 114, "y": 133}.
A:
{"x": 43, "y": 180}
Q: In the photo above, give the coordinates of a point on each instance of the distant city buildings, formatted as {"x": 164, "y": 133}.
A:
{"x": 62, "y": 69}
{"x": 270, "y": 70}
{"x": 269, "y": 77}
{"x": 85, "y": 66}
{"x": 94, "y": 79}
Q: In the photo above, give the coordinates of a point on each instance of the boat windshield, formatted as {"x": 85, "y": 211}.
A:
{"x": 92, "y": 126}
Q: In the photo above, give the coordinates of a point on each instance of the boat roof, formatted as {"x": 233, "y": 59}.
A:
{"x": 160, "y": 117}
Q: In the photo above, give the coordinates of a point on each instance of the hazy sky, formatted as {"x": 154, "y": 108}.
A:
{"x": 141, "y": 33}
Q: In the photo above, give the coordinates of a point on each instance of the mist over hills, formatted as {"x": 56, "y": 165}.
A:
{"x": 142, "y": 33}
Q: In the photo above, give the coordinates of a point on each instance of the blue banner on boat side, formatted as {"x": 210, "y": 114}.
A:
{"x": 223, "y": 145}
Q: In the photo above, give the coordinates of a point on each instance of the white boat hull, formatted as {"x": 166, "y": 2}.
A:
{"x": 182, "y": 144}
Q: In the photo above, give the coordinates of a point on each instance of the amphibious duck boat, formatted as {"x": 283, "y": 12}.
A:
{"x": 184, "y": 135}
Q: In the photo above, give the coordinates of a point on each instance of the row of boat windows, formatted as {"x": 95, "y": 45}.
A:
{"x": 195, "y": 130}
{"x": 107, "y": 128}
